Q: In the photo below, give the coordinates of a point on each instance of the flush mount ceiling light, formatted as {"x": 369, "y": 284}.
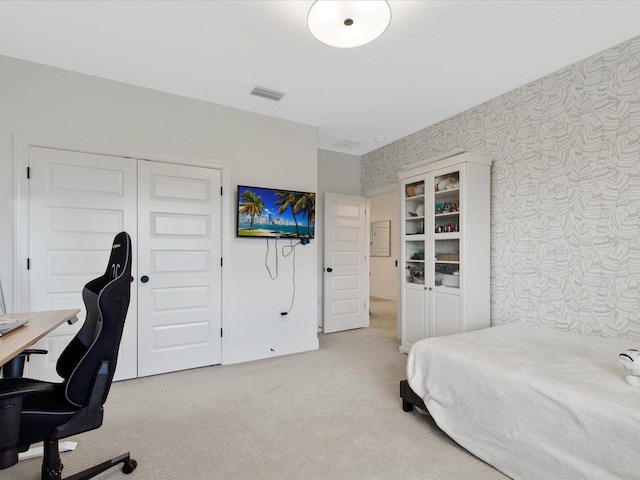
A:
{"x": 347, "y": 24}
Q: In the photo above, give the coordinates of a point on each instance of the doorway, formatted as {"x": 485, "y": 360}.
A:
{"x": 383, "y": 269}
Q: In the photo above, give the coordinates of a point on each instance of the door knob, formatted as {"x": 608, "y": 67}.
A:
{"x": 329, "y": 269}
{"x": 144, "y": 279}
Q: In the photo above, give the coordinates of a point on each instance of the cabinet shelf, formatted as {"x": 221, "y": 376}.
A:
{"x": 446, "y": 214}
{"x": 416, "y": 261}
{"x": 452, "y": 262}
{"x": 414, "y": 197}
{"x": 446, "y": 236}
{"x": 414, "y": 218}
{"x": 443, "y": 193}
{"x": 444, "y": 288}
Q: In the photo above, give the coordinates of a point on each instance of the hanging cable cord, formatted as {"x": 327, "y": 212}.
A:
{"x": 286, "y": 251}
{"x": 292, "y": 249}
{"x": 266, "y": 260}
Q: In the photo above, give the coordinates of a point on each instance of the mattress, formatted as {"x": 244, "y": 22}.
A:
{"x": 534, "y": 402}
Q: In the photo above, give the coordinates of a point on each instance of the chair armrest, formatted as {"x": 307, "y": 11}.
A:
{"x": 15, "y": 366}
{"x": 19, "y": 387}
{"x": 34, "y": 351}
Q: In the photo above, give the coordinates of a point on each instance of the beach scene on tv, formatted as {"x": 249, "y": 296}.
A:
{"x": 266, "y": 212}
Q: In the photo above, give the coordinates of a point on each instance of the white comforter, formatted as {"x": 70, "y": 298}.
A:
{"x": 534, "y": 402}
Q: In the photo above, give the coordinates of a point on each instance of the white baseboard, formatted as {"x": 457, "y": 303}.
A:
{"x": 268, "y": 352}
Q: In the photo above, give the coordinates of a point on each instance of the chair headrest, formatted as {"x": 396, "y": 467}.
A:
{"x": 119, "y": 253}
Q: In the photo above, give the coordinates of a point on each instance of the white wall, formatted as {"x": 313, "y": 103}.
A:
{"x": 337, "y": 173}
{"x": 383, "y": 282}
{"x": 72, "y": 108}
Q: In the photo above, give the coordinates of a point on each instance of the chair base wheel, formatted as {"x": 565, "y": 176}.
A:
{"x": 130, "y": 466}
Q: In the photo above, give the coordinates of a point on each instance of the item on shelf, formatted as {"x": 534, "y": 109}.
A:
{"x": 420, "y": 211}
{"x": 455, "y": 206}
{"x": 447, "y": 183}
{"x": 456, "y": 228}
{"x": 438, "y": 229}
{"x": 419, "y": 189}
{"x": 411, "y": 191}
{"x": 447, "y": 207}
{"x": 450, "y": 280}
{"x": 417, "y": 256}
{"x": 442, "y": 185}
{"x": 439, "y": 208}
{"x": 448, "y": 257}
{"x": 446, "y": 268}
{"x": 412, "y": 214}
{"x": 422, "y": 226}
{"x": 448, "y": 228}
{"x": 415, "y": 275}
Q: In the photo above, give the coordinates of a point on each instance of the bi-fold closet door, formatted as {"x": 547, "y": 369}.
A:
{"x": 78, "y": 201}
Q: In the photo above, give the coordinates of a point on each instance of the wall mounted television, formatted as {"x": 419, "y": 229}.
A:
{"x": 275, "y": 213}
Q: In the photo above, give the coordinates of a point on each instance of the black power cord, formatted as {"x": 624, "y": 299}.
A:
{"x": 286, "y": 251}
{"x": 266, "y": 260}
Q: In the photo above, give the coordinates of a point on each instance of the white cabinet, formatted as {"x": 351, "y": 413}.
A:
{"x": 444, "y": 259}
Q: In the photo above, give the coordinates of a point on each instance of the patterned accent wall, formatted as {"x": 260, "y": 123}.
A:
{"x": 565, "y": 200}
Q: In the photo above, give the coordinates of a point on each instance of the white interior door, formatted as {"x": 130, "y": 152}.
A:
{"x": 346, "y": 244}
{"x": 179, "y": 252}
{"x": 78, "y": 202}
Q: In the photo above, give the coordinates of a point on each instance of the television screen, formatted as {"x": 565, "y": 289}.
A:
{"x": 275, "y": 213}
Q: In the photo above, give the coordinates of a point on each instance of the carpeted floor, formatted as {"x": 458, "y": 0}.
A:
{"x": 333, "y": 413}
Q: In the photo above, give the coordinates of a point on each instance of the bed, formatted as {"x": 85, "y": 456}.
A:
{"x": 534, "y": 402}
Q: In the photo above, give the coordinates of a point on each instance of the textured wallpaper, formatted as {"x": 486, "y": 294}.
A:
{"x": 565, "y": 199}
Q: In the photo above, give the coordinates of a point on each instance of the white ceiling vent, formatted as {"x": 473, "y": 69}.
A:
{"x": 267, "y": 93}
{"x": 347, "y": 144}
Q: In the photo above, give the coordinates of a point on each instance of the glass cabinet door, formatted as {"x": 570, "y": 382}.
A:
{"x": 414, "y": 229}
{"x": 446, "y": 229}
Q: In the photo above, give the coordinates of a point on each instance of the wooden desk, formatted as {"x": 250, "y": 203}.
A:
{"x": 40, "y": 324}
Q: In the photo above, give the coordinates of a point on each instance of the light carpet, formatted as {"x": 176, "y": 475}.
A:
{"x": 333, "y": 413}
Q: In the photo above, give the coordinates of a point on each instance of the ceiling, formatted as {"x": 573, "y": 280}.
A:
{"x": 436, "y": 59}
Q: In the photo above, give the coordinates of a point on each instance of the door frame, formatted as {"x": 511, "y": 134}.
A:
{"x": 21, "y": 208}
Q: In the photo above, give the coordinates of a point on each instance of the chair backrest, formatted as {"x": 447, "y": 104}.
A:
{"x": 106, "y": 299}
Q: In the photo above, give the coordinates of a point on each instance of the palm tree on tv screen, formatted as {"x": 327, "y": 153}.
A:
{"x": 288, "y": 200}
{"x": 306, "y": 204}
{"x": 252, "y": 205}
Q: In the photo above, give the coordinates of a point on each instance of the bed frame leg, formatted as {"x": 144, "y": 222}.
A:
{"x": 409, "y": 398}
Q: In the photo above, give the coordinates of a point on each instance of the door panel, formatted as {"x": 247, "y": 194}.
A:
{"x": 345, "y": 257}
{"x": 415, "y": 323}
{"x": 78, "y": 203}
{"x": 180, "y": 253}
{"x": 446, "y": 314}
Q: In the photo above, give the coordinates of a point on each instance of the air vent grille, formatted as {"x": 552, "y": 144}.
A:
{"x": 347, "y": 144}
{"x": 267, "y": 93}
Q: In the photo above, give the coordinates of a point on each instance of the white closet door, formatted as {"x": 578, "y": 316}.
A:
{"x": 78, "y": 202}
{"x": 179, "y": 253}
